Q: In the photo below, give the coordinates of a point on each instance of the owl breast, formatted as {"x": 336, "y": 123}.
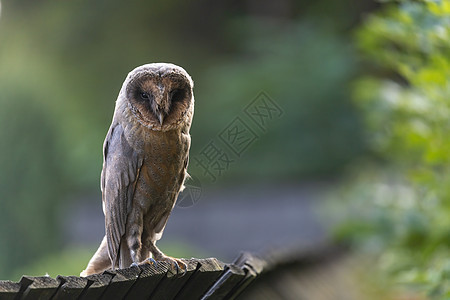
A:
{"x": 161, "y": 177}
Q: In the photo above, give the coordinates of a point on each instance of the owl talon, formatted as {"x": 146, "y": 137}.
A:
{"x": 176, "y": 265}
{"x": 179, "y": 265}
{"x": 183, "y": 267}
{"x": 152, "y": 262}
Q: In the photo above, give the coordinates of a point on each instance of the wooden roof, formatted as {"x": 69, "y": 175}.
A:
{"x": 205, "y": 279}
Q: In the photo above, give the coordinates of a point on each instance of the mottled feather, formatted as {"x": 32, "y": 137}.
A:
{"x": 120, "y": 172}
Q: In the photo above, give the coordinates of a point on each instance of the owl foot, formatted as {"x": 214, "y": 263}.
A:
{"x": 176, "y": 264}
{"x": 149, "y": 261}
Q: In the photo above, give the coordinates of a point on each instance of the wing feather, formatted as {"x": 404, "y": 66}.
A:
{"x": 121, "y": 166}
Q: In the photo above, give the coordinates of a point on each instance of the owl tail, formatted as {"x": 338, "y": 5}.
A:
{"x": 124, "y": 256}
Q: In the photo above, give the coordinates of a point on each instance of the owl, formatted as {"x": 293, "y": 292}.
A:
{"x": 145, "y": 157}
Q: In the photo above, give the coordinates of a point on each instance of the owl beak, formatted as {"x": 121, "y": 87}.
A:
{"x": 161, "y": 118}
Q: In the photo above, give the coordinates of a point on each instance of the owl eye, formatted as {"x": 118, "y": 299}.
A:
{"x": 177, "y": 95}
{"x": 145, "y": 96}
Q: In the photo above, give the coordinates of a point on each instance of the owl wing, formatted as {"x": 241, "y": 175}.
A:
{"x": 121, "y": 167}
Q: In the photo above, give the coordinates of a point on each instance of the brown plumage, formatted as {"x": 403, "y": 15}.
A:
{"x": 145, "y": 156}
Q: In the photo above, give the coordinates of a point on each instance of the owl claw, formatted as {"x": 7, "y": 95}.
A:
{"x": 152, "y": 262}
{"x": 183, "y": 268}
{"x": 179, "y": 265}
{"x": 176, "y": 264}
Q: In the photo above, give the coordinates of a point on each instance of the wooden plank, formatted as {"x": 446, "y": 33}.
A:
{"x": 207, "y": 272}
{"x": 147, "y": 281}
{"x": 71, "y": 288}
{"x": 243, "y": 284}
{"x": 231, "y": 277}
{"x": 121, "y": 282}
{"x": 252, "y": 266}
{"x": 9, "y": 289}
{"x": 41, "y": 288}
{"x": 251, "y": 260}
{"x": 172, "y": 282}
{"x": 97, "y": 284}
{"x": 207, "y": 278}
{"x": 24, "y": 282}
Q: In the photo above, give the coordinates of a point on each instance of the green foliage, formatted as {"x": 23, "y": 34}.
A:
{"x": 30, "y": 181}
{"x": 305, "y": 68}
{"x": 402, "y": 212}
{"x": 65, "y": 262}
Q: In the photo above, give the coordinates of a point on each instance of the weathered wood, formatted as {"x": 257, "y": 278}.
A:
{"x": 96, "y": 286}
{"x": 230, "y": 278}
{"x": 251, "y": 260}
{"x": 9, "y": 289}
{"x": 203, "y": 278}
{"x": 335, "y": 276}
{"x": 172, "y": 283}
{"x": 252, "y": 266}
{"x": 40, "y": 288}
{"x": 24, "y": 282}
{"x": 121, "y": 282}
{"x": 71, "y": 288}
{"x": 148, "y": 280}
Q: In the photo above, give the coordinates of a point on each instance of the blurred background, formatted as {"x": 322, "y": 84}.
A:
{"x": 342, "y": 107}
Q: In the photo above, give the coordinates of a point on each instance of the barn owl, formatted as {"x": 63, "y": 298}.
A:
{"x": 145, "y": 156}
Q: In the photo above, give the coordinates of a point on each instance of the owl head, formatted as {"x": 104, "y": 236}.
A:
{"x": 159, "y": 95}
